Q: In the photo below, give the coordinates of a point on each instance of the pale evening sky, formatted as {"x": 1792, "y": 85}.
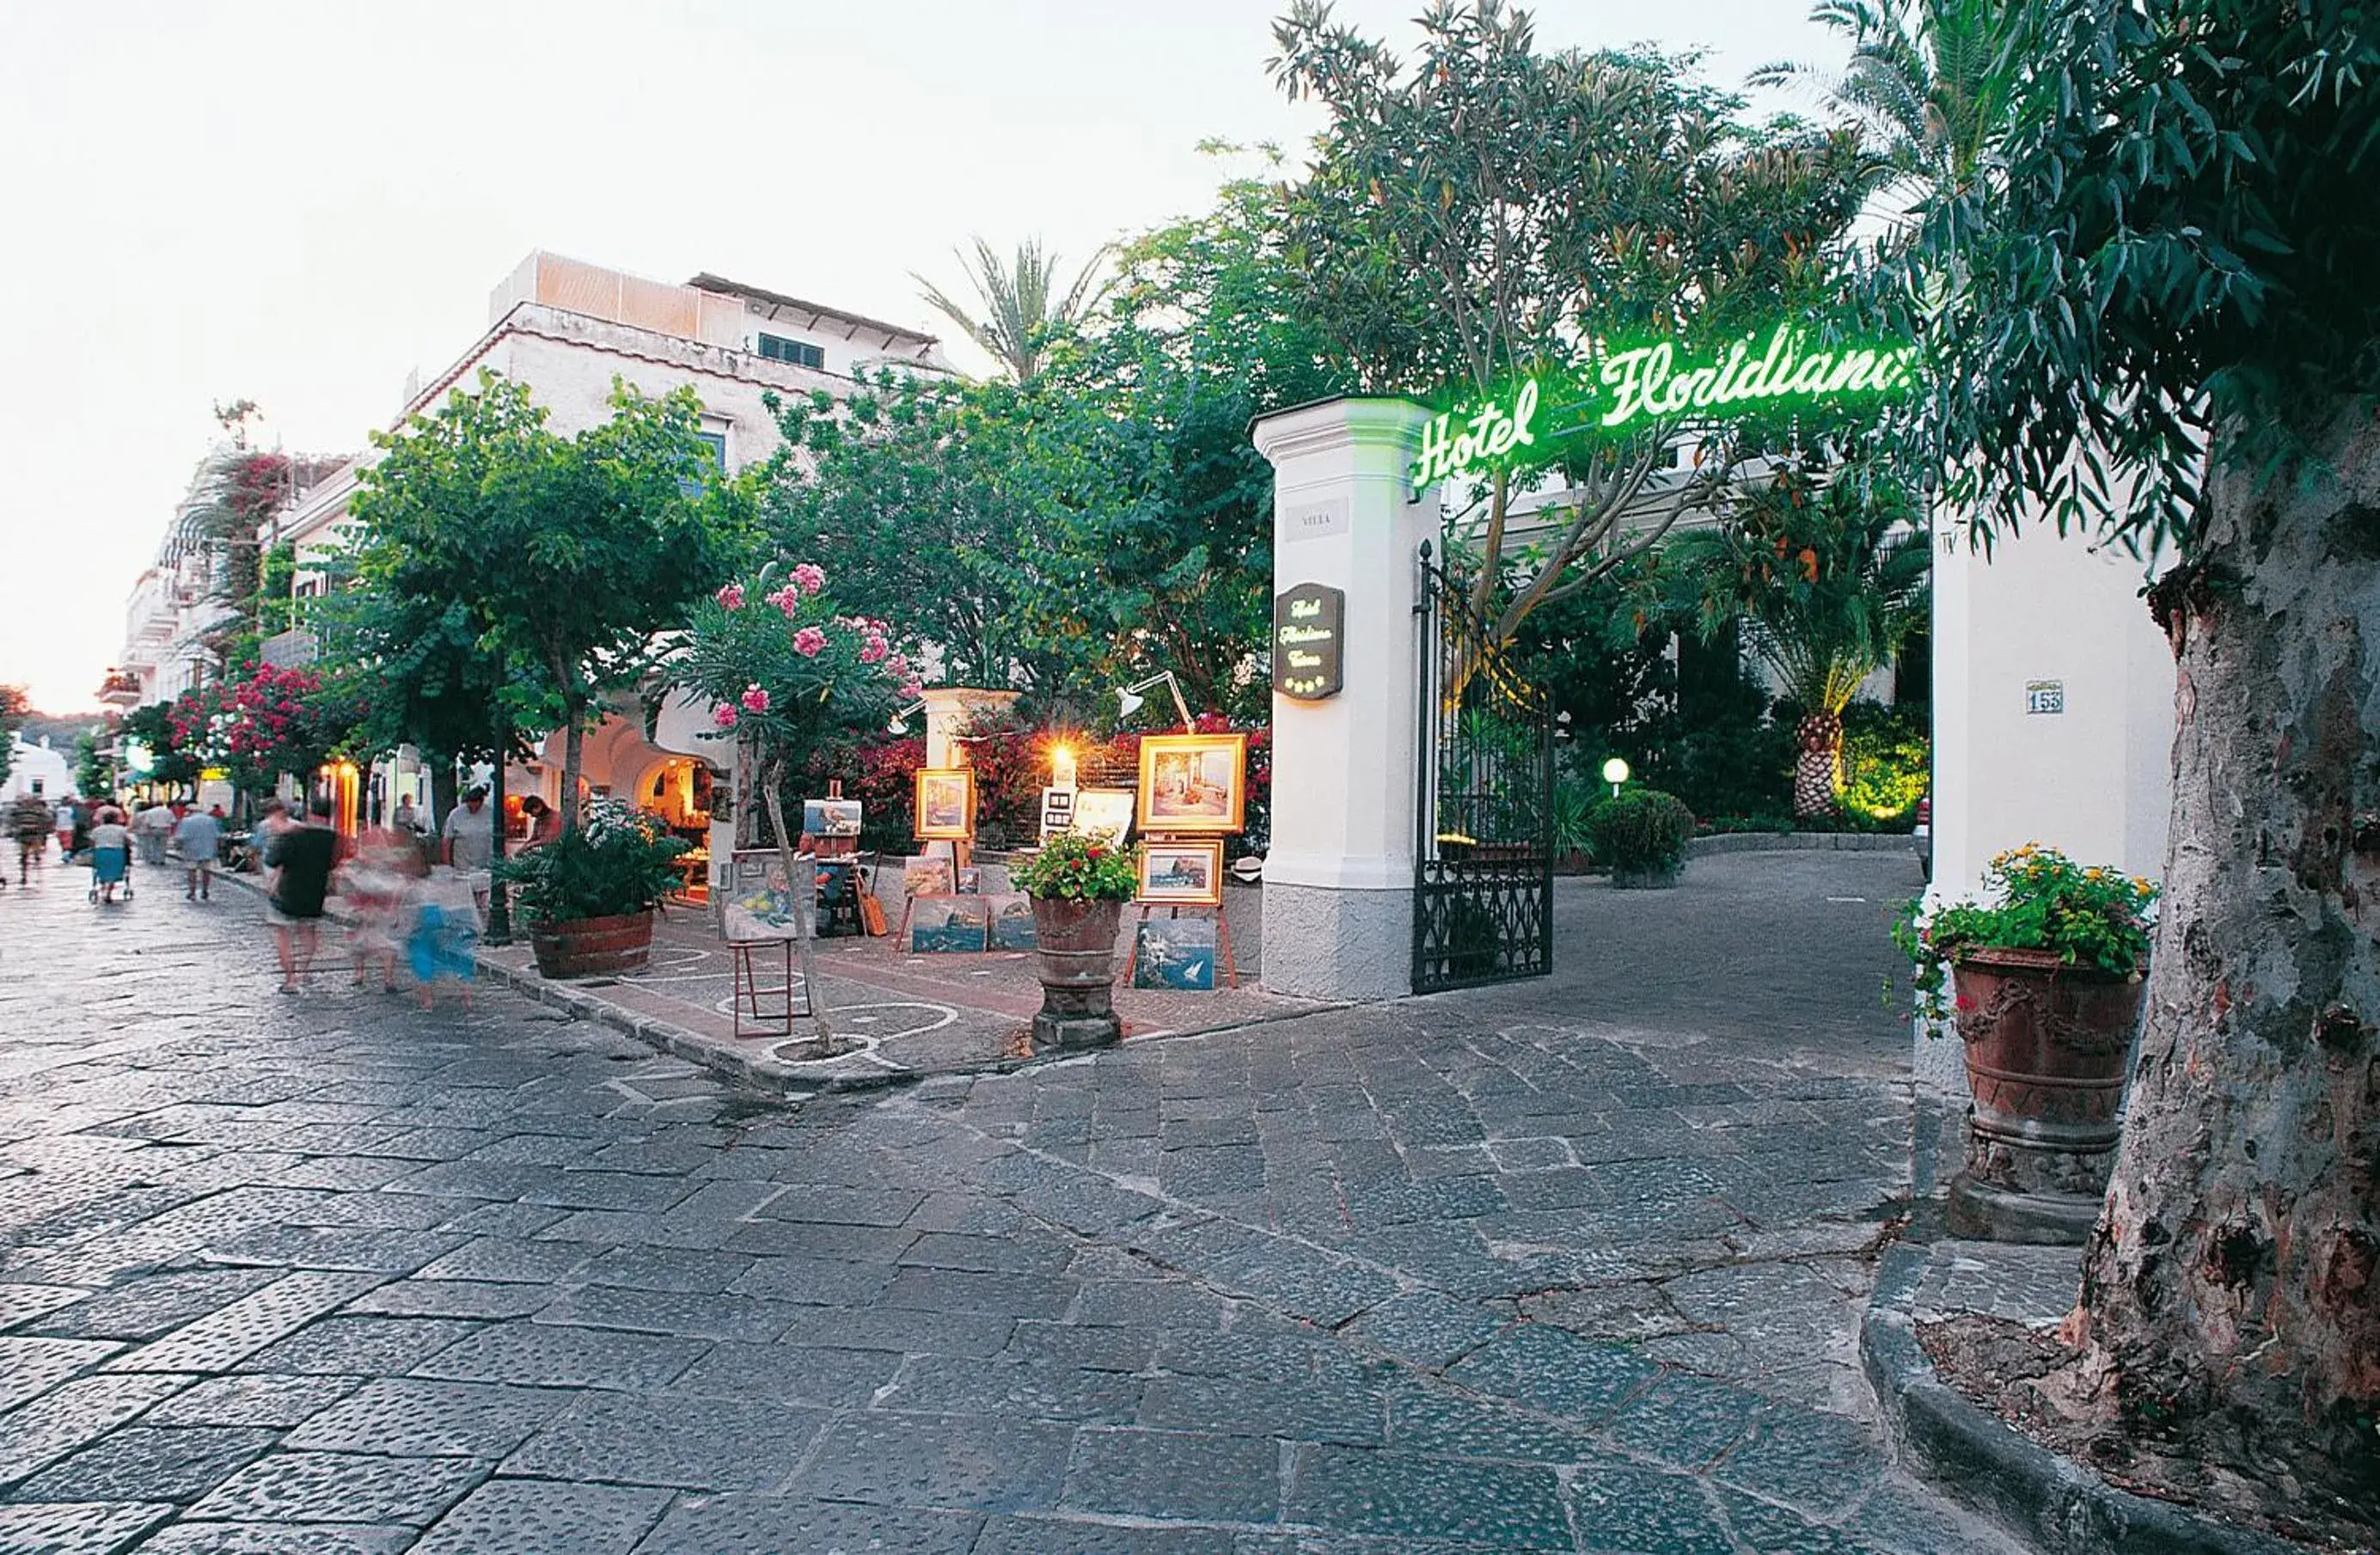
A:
{"x": 300, "y": 203}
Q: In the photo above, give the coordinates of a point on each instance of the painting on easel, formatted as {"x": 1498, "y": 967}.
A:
{"x": 1177, "y": 954}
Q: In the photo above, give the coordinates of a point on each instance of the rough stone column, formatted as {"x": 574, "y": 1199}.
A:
{"x": 1338, "y": 899}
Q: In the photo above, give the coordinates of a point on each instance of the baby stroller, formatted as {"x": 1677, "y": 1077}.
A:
{"x": 111, "y": 865}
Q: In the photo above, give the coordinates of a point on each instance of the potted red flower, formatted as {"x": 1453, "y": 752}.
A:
{"x": 1078, "y": 885}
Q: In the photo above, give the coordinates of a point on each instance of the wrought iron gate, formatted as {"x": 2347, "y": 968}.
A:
{"x": 1483, "y": 860}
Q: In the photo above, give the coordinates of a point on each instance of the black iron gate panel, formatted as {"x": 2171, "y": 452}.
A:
{"x": 1483, "y": 858}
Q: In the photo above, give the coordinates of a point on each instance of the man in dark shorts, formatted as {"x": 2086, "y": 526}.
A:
{"x": 300, "y": 858}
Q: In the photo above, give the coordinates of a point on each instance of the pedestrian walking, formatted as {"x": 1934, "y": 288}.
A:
{"x": 373, "y": 885}
{"x": 444, "y": 933}
{"x": 111, "y": 856}
{"x": 151, "y": 826}
{"x": 64, "y": 821}
{"x": 86, "y": 814}
{"x": 468, "y": 842}
{"x": 200, "y": 837}
{"x": 29, "y": 823}
{"x": 300, "y": 856}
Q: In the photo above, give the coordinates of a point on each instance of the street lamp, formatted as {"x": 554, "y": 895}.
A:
{"x": 900, "y": 724}
{"x": 1132, "y": 701}
{"x": 1615, "y": 772}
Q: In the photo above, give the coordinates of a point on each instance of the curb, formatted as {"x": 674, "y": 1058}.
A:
{"x": 1800, "y": 842}
{"x": 1979, "y": 1459}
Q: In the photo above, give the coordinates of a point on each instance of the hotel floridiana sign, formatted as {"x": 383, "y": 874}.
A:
{"x": 1648, "y": 384}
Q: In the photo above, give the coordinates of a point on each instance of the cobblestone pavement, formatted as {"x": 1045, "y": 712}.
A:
{"x": 325, "y": 1274}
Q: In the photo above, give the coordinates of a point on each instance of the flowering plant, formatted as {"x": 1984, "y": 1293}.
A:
{"x": 620, "y": 859}
{"x": 2095, "y": 916}
{"x": 1077, "y": 867}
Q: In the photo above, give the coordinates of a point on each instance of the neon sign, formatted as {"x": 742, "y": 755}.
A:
{"x": 1647, "y": 382}
{"x": 1650, "y": 379}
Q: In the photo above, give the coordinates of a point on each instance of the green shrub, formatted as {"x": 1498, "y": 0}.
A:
{"x": 1573, "y": 817}
{"x": 1076, "y": 867}
{"x": 1887, "y": 759}
{"x": 1641, "y": 832}
{"x": 620, "y": 860}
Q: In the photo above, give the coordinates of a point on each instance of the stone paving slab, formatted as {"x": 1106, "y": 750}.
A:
{"x": 1550, "y": 1269}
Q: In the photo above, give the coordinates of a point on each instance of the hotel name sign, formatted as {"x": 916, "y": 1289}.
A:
{"x": 1309, "y": 623}
{"x": 1647, "y": 383}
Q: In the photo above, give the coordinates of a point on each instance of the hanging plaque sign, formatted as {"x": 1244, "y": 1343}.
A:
{"x": 1308, "y": 623}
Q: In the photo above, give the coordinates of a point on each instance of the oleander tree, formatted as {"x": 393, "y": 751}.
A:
{"x": 2156, "y": 320}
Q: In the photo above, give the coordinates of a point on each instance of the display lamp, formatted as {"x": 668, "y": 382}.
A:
{"x": 900, "y": 724}
{"x": 1615, "y": 772}
{"x": 1130, "y": 700}
{"x": 1062, "y": 766}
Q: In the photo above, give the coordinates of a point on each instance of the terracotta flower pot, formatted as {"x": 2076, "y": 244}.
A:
{"x": 1076, "y": 948}
{"x": 590, "y": 947}
{"x": 2047, "y": 1048}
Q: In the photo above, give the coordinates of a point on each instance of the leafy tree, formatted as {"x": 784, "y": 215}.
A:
{"x": 1019, "y": 305}
{"x": 1827, "y": 573}
{"x": 174, "y": 762}
{"x": 568, "y": 554}
{"x": 15, "y": 708}
{"x": 2156, "y": 320}
{"x": 1929, "y": 84}
{"x": 1493, "y": 213}
{"x": 95, "y": 763}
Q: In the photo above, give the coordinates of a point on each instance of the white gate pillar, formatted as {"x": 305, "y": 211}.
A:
{"x": 1339, "y": 879}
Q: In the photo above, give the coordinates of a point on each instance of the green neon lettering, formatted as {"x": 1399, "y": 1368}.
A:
{"x": 1488, "y": 432}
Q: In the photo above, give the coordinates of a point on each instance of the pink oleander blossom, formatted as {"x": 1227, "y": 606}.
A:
{"x": 755, "y": 698}
{"x": 787, "y": 598}
{"x": 897, "y": 664}
{"x": 875, "y": 650}
{"x": 731, "y": 597}
{"x": 724, "y": 715}
{"x": 911, "y": 690}
{"x": 811, "y": 577}
{"x": 809, "y": 642}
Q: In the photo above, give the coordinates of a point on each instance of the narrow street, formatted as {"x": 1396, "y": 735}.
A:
{"x": 1539, "y": 1270}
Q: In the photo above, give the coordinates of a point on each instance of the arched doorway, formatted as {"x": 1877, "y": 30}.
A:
{"x": 680, "y": 789}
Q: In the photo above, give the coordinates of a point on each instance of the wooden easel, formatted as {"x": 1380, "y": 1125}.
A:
{"x": 777, "y": 1019}
{"x": 909, "y": 903}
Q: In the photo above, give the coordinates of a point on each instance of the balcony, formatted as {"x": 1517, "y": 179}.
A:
{"x": 120, "y": 689}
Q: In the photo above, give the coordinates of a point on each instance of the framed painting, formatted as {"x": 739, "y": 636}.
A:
{"x": 761, "y": 904}
{"x": 1183, "y": 874}
{"x": 950, "y": 925}
{"x": 927, "y": 877}
{"x": 945, "y": 804}
{"x": 1103, "y": 812}
{"x": 830, "y": 818}
{"x": 1194, "y": 782}
{"x": 1175, "y": 954}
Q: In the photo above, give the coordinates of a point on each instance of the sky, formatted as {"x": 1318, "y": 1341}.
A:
{"x": 301, "y": 203}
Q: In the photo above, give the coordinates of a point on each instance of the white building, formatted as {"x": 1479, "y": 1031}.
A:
{"x": 36, "y": 769}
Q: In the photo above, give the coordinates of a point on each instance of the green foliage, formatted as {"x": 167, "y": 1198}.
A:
{"x": 2176, "y": 254}
{"x": 14, "y": 707}
{"x": 1574, "y": 802}
{"x": 1486, "y": 211}
{"x": 2097, "y": 918}
{"x": 1076, "y": 868}
{"x": 1887, "y": 759}
{"x": 1021, "y": 306}
{"x": 1641, "y": 832}
{"x": 619, "y": 859}
{"x": 95, "y": 763}
{"x": 155, "y": 726}
{"x": 1829, "y": 568}
{"x": 562, "y": 557}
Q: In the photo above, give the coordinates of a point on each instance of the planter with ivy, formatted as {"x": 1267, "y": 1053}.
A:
{"x": 2043, "y": 981}
{"x": 589, "y": 894}
{"x": 1078, "y": 886}
{"x": 1641, "y": 834}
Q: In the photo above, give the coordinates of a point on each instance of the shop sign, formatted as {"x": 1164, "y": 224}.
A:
{"x": 1642, "y": 383}
{"x": 1308, "y": 624}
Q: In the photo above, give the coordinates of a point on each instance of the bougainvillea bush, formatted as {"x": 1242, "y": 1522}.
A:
{"x": 264, "y": 721}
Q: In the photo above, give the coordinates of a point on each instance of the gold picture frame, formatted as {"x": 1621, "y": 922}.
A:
{"x": 1194, "y": 784}
{"x": 1182, "y": 874}
{"x": 945, "y": 806}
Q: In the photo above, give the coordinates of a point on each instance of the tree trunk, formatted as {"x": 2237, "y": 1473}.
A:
{"x": 773, "y": 776}
{"x": 574, "y": 752}
{"x": 1817, "y": 765}
{"x": 2231, "y": 1291}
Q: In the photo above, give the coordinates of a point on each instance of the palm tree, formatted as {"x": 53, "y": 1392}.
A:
{"x": 1930, "y": 81}
{"x": 1016, "y": 301}
{"x": 1828, "y": 573}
